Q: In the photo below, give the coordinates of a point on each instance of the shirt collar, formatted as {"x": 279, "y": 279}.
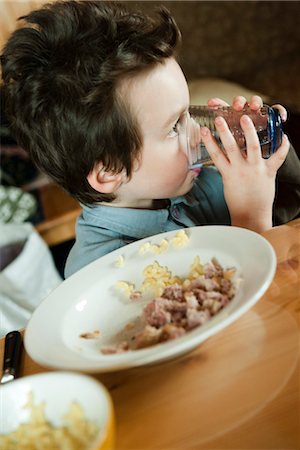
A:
{"x": 136, "y": 223}
{"x": 187, "y": 199}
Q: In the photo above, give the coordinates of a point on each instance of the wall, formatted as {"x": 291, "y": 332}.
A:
{"x": 256, "y": 43}
{"x": 10, "y": 10}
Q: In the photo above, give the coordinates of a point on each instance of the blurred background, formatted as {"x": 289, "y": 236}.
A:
{"x": 229, "y": 48}
{"x": 255, "y": 43}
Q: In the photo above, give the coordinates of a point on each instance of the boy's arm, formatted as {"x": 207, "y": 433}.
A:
{"x": 249, "y": 182}
{"x": 287, "y": 197}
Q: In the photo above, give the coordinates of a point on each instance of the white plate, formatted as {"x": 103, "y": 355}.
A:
{"x": 89, "y": 300}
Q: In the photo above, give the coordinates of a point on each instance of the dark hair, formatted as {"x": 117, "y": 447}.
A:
{"x": 61, "y": 73}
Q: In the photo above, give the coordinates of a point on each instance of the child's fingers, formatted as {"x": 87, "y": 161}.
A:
{"x": 282, "y": 111}
{"x": 216, "y": 102}
{"x": 252, "y": 141}
{"x": 239, "y": 102}
{"x": 256, "y": 102}
{"x": 217, "y": 155}
{"x": 232, "y": 150}
{"x": 276, "y": 160}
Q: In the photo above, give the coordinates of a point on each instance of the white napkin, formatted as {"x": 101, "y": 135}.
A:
{"x": 27, "y": 280}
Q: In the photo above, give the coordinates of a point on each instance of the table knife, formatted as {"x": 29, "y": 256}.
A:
{"x": 12, "y": 353}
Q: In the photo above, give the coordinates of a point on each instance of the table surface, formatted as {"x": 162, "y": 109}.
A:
{"x": 237, "y": 390}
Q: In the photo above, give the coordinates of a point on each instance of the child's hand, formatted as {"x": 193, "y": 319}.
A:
{"x": 255, "y": 103}
{"x": 249, "y": 181}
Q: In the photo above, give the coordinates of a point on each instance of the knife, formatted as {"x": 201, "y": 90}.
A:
{"x": 12, "y": 353}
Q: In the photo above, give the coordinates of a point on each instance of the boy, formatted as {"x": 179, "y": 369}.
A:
{"x": 95, "y": 94}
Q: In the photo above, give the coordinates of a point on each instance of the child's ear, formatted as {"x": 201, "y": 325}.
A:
{"x": 103, "y": 180}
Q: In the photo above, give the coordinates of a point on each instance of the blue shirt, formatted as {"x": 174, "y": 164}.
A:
{"x": 101, "y": 229}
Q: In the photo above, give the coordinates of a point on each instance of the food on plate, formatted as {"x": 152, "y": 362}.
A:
{"x": 181, "y": 304}
{"x": 120, "y": 261}
{"x": 75, "y": 433}
{"x": 90, "y": 334}
{"x": 127, "y": 288}
{"x": 156, "y": 278}
{"x": 179, "y": 240}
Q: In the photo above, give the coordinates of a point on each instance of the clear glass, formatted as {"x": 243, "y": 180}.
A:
{"x": 267, "y": 122}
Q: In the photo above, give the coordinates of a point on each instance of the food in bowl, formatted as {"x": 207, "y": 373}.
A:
{"x": 74, "y": 433}
{"x": 61, "y": 411}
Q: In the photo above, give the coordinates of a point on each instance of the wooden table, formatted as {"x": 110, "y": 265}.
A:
{"x": 238, "y": 390}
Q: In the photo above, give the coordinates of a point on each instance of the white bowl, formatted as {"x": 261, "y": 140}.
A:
{"x": 58, "y": 390}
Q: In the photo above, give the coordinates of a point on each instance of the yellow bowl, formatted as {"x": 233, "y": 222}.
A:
{"x": 21, "y": 402}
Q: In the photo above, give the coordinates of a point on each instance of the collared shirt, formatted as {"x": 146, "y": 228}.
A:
{"x": 101, "y": 229}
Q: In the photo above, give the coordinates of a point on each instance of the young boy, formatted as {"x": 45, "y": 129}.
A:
{"x": 95, "y": 94}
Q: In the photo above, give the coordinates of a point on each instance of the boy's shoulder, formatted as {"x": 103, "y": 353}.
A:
{"x": 83, "y": 253}
{"x": 102, "y": 229}
{"x": 287, "y": 198}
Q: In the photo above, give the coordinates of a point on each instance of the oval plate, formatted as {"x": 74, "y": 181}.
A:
{"x": 89, "y": 300}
